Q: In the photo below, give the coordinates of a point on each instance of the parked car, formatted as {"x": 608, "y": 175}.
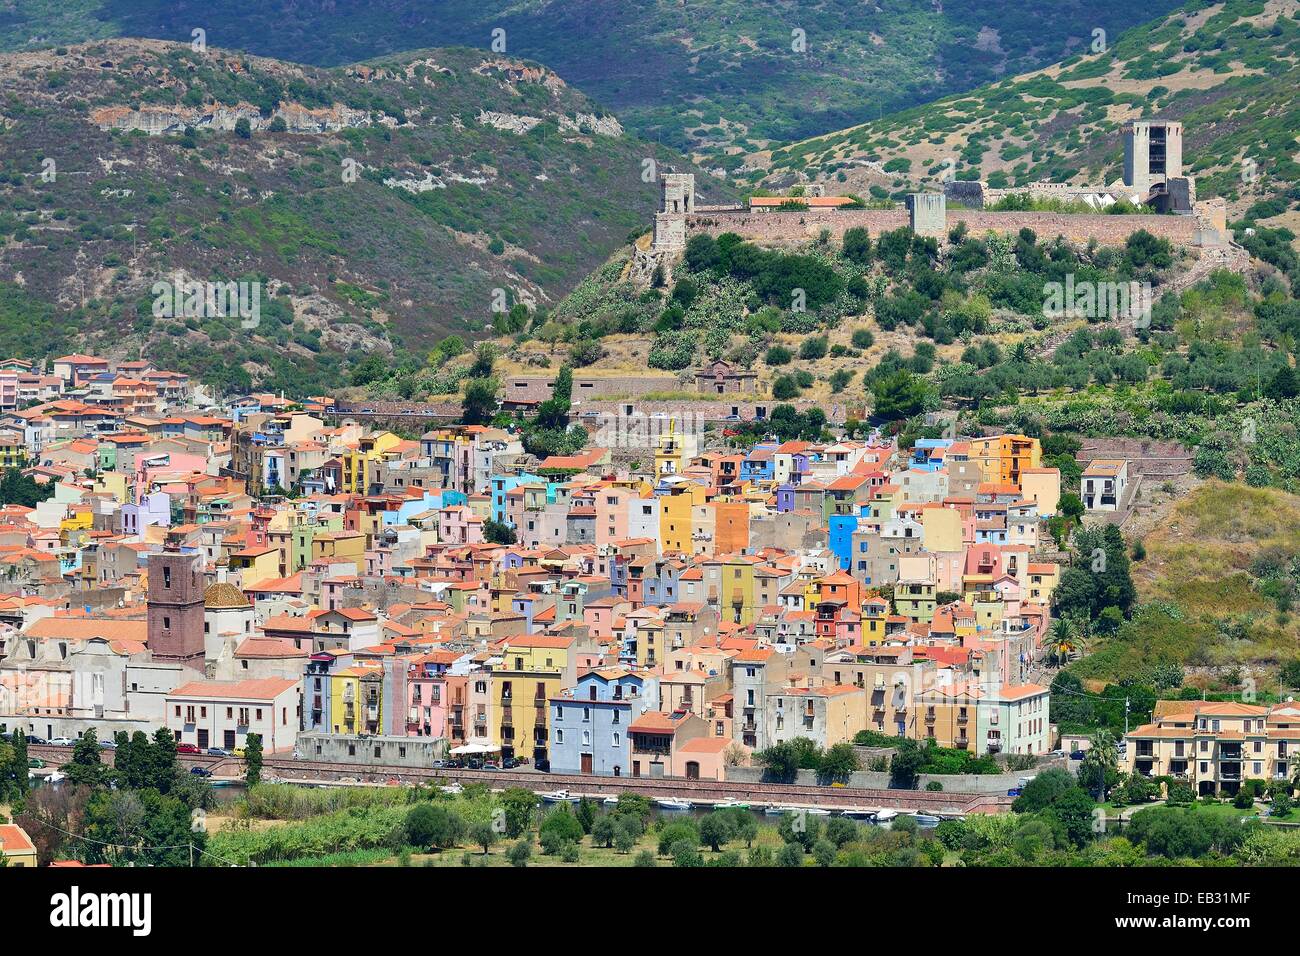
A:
{"x": 32, "y": 739}
{"x": 489, "y": 765}
{"x": 201, "y": 771}
{"x": 61, "y": 741}
{"x": 187, "y": 749}
{"x": 218, "y": 752}
{"x": 108, "y": 745}
{"x": 1076, "y": 754}
{"x": 1013, "y": 792}
{"x": 509, "y": 763}
{"x": 239, "y": 752}
{"x": 35, "y": 763}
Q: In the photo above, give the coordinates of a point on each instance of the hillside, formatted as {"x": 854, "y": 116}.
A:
{"x": 1228, "y": 71}
{"x": 380, "y": 204}
{"x": 720, "y": 77}
{"x": 1220, "y": 578}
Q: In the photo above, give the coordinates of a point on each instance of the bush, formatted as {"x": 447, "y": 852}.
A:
{"x": 676, "y": 832}
{"x": 785, "y": 388}
{"x": 520, "y": 853}
{"x": 863, "y": 339}
{"x": 778, "y": 355}
{"x": 813, "y": 348}
{"x": 432, "y": 827}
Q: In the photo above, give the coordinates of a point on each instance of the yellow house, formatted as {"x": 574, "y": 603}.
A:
{"x": 1003, "y": 458}
{"x": 875, "y": 612}
{"x": 675, "y": 526}
{"x": 942, "y": 529}
{"x": 736, "y": 589}
{"x": 256, "y": 565}
{"x": 113, "y": 483}
{"x": 79, "y": 519}
{"x": 671, "y": 452}
{"x": 651, "y": 648}
{"x": 987, "y": 606}
{"x": 1043, "y": 579}
{"x": 349, "y": 546}
{"x": 1043, "y": 486}
{"x": 357, "y": 700}
{"x": 16, "y": 846}
{"x": 534, "y": 668}
{"x": 369, "y": 450}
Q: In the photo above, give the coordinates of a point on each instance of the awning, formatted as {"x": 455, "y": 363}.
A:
{"x": 472, "y": 749}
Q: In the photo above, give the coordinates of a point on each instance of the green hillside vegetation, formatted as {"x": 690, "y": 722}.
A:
{"x": 1228, "y": 71}
{"x": 701, "y": 76}
{"x": 346, "y": 266}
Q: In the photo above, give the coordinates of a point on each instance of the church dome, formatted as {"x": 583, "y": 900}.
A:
{"x": 224, "y": 596}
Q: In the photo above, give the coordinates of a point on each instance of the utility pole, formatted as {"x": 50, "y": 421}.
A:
{"x": 1126, "y": 702}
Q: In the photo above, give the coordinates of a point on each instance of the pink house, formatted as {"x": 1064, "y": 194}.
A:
{"x": 426, "y": 693}
{"x": 599, "y": 615}
{"x": 611, "y": 514}
{"x": 458, "y": 525}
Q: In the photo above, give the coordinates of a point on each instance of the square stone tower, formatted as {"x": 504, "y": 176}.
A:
{"x": 174, "y": 607}
{"x": 928, "y": 213}
{"x": 676, "y": 202}
{"x": 1153, "y": 153}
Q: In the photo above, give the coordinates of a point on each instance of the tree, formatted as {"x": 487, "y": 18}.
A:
{"x": 253, "y": 759}
{"x": 498, "y": 532}
{"x": 479, "y": 403}
{"x": 85, "y": 768}
{"x": 163, "y": 766}
{"x": 675, "y": 832}
{"x": 685, "y": 854}
{"x": 1044, "y": 790}
{"x": 857, "y": 245}
{"x": 520, "y": 807}
{"x": 484, "y": 835}
{"x": 780, "y": 762}
{"x": 838, "y": 762}
{"x": 559, "y": 827}
{"x": 716, "y": 829}
{"x": 790, "y": 854}
{"x": 1099, "y": 763}
{"x": 520, "y": 853}
{"x": 432, "y": 827}
{"x": 627, "y": 831}
{"x": 243, "y": 129}
{"x": 603, "y": 830}
{"x": 899, "y": 394}
{"x": 905, "y": 765}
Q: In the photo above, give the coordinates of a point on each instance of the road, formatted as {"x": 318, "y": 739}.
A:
{"x": 305, "y": 771}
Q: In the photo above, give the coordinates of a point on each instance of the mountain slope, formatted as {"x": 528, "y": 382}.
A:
{"x": 703, "y": 75}
{"x": 1228, "y": 71}
{"x": 385, "y": 202}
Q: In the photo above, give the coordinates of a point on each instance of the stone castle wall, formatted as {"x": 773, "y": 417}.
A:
{"x": 804, "y": 225}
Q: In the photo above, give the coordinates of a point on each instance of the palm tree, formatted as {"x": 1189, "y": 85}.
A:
{"x": 1102, "y": 757}
{"x": 1064, "y": 639}
{"x": 1294, "y": 763}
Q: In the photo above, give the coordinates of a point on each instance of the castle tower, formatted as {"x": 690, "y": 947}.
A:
{"x": 676, "y": 202}
{"x": 927, "y": 213}
{"x": 175, "y": 607}
{"x": 1153, "y": 153}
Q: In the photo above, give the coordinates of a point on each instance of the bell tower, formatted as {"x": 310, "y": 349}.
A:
{"x": 175, "y": 606}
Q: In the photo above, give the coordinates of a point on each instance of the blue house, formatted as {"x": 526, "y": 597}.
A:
{"x": 589, "y": 722}
{"x": 759, "y": 464}
{"x": 841, "y": 538}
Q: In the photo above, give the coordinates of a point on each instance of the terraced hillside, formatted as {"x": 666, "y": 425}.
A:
{"x": 1228, "y": 71}
{"x": 719, "y": 77}
{"x": 378, "y": 204}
